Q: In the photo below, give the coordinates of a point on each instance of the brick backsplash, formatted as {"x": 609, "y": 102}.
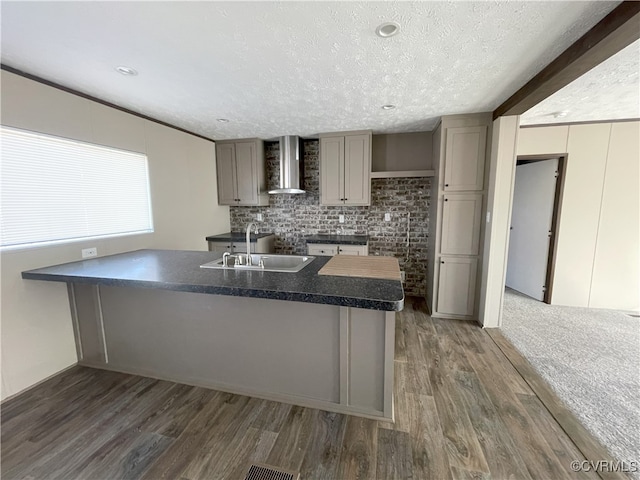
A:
{"x": 292, "y": 217}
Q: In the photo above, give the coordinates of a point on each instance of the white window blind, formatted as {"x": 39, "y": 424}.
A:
{"x": 54, "y": 190}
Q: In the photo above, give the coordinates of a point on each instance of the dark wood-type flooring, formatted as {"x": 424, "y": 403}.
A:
{"x": 462, "y": 411}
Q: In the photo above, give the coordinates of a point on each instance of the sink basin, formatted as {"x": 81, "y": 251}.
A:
{"x": 265, "y": 263}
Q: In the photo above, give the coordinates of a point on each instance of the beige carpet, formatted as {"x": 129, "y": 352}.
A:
{"x": 591, "y": 359}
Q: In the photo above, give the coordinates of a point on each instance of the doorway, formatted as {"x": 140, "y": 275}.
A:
{"x": 534, "y": 219}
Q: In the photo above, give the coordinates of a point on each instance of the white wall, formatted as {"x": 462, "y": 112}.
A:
{"x": 502, "y": 164}
{"x": 598, "y": 252}
{"x": 36, "y": 332}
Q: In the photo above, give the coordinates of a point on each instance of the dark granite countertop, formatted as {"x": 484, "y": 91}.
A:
{"x": 236, "y": 237}
{"x": 339, "y": 239}
{"x": 180, "y": 270}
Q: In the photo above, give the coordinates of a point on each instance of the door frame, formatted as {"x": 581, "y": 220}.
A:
{"x": 557, "y": 208}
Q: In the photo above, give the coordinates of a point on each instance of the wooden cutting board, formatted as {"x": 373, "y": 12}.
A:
{"x": 362, "y": 266}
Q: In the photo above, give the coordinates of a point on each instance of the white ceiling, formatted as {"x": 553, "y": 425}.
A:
{"x": 607, "y": 92}
{"x": 296, "y": 68}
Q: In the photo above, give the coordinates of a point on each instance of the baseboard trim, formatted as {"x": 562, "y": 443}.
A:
{"x": 31, "y": 387}
{"x": 274, "y": 397}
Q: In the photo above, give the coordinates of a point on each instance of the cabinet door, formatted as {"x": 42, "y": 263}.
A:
{"x": 461, "y": 217}
{"x": 247, "y": 173}
{"x": 357, "y": 170}
{"x": 226, "y": 173}
{"x": 353, "y": 250}
{"x": 320, "y": 250}
{"x": 457, "y": 286}
{"x": 220, "y": 247}
{"x": 332, "y": 171}
{"x": 465, "y": 158}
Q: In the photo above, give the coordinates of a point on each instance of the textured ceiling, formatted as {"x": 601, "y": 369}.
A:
{"x": 300, "y": 68}
{"x": 607, "y": 92}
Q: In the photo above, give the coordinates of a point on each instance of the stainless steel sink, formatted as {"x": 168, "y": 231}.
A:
{"x": 264, "y": 262}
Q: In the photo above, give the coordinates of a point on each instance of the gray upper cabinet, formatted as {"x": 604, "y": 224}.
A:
{"x": 332, "y": 171}
{"x": 241, "y": 172}
{"x": 465, "y": 159}
{"x": 345, "y": 169}
{"x": 226, "y": 173}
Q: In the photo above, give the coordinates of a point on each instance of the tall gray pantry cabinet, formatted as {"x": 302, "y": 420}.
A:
{"x": 458, "y": 203}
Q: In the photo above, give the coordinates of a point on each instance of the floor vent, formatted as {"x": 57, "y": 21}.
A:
{"x": 265, "y": 472}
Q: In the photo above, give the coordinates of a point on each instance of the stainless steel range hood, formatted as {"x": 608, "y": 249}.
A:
{"x": 291, "y": 166}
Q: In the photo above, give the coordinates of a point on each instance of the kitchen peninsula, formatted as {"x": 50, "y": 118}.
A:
{"x": 313, "y": 340}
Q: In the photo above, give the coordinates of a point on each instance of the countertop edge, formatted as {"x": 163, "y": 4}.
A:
{"x": 355, "y": 302}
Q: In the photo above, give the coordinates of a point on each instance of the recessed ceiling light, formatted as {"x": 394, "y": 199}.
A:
{"x": 126, "y": 70}
{"x": 560, "y": 114}
{"x": 223, "y": 120}
{"x": 388, "y": 107}
{"x": 388, "y": 29}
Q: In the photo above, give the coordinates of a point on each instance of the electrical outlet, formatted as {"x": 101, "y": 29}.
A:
{"x": 341, "y": 218}
{"x": 260, "y": 218}
{"x": 402, "y": 276}
{"x": 89, "y": 252}
{"x": 387, "y": 217}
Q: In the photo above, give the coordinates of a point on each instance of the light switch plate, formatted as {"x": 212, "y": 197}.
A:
{"x": 341, "y": 218}
{"x": 260, "y": 218}
{"x": 387, "y": 217}
{"x": 89, "y": 252}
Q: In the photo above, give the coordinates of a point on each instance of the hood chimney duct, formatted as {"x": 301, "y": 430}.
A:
{"x": 291, "y": 166}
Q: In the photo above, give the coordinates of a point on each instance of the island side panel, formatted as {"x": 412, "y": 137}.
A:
{"x": 251, "y": 345}
{"x": 366, "y": 370}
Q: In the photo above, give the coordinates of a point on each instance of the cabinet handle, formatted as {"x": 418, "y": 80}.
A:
{"x": 441, "y": 261}
{"x": 446, "y": 184}
{"x": 446, "y": 199}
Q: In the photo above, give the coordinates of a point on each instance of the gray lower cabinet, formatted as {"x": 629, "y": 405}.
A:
{"x": 262, "y": 245}
{"x": 328, "y": 250}
{"x": 457, "y": 286}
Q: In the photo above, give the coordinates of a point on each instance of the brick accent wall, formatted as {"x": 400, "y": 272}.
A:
{"x": 292, "y": 217}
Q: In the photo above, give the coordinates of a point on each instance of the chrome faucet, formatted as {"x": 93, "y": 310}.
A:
{"x": 249, "y": 242}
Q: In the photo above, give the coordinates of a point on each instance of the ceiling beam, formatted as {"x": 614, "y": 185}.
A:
{"x": 614, "y": 32}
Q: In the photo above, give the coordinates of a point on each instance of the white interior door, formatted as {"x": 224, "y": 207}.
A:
{"x": 533, "y": 198}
